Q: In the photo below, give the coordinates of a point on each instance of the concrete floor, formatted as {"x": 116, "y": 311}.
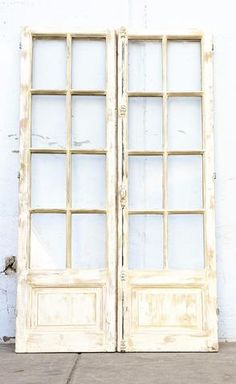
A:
{"x": 122, "y": 368}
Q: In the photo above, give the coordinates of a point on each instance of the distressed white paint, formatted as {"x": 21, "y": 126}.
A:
{"x": 98, "y": 332}
{"x": 218, "y": 19}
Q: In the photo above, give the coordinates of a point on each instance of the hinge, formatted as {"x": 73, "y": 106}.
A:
{"x": 214, "y": 175}
{"x": 123, "y": 345}
{"x": 123, "y": 196}
{"x": 213, "y": 47}
{"x": 20, "y": 45}
{"x": 123, "y": 32}
{"x": 122, "y": 110}
{"x": 123, "y": 274}
{"x": 18, "y": 175}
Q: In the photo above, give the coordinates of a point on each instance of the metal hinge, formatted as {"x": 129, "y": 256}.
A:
{"x": 122, "y": 110}
{"x": 20, "y": 45}
{"x": 123, "y": 274}
{"x": 123, "y": 196}
{"x": 123, "y": 32}
{"x": 123, "y": 345}
{"x": 214, "y": 175}
{"x": 213, "y": 47}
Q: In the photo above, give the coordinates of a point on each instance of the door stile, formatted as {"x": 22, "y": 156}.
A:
{"x": 209, "y": 193}
{"x": 24, "y": 188}
{"x": 165, "y": 153}
{"x": 111, "y": 180}
{"x": 122, "y": 185}
{"x": 68, "y": 151}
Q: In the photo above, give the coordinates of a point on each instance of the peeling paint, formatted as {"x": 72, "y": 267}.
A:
{"x": 80, "y": 143}
{"x": 10, "y": 265}
{"x": 8, "y": 338}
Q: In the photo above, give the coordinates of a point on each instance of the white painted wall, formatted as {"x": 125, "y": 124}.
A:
{"x": 218, "y": 18}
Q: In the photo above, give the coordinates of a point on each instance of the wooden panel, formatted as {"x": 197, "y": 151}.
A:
{"x": 72, "y": 307}
{"x": 159, "y": 308}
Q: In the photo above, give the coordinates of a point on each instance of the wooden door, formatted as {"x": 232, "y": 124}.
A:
{"x": 66, "y": 299}
{"x": 75, "y": 291}
{"x": 167, "y": 278}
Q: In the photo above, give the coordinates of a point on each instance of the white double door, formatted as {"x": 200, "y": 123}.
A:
{"x": 116, "y": 226}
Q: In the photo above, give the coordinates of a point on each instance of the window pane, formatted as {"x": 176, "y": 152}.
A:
{"x": 88, "y": 122}
{"x": 88, "y": 241}
{"x": 184, "y": 66}
{"x": 48, "y": 241}
{"x": 49, "y": 64}
{"x": 184, "y": 123}
{"x": 185, "y": 245}
{"x": 88, "y": 181}
{"x": 145, "y": 242}
{"x": 48, "y": 181}
{"x": 145, "y": 182}
{"x": 89, "y": 64}
{"x": 185, "y": 182}
{"x": 145, "y": 66}
{"x": 145, "y": 123}
{"x": 48, "y": 121}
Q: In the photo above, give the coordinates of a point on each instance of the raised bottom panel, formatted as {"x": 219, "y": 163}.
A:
{"x": 165, "y": 308}
{"x": 168, "y": 319}
{"x": 64, "y": 319}
{"x": 55, "y": 308}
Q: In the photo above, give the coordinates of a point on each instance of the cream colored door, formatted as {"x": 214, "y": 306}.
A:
{"x": 71, "y": 285}
{"x": 167, "y": 279}
{"x": 66, "y": 299}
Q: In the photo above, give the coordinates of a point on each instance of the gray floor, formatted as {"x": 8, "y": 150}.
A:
{"x": 138, "y": 368}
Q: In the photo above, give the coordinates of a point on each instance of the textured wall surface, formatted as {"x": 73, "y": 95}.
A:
{"x": 213, "y": 16}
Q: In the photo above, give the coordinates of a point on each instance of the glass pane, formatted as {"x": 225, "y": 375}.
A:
{"x": 48, "y": 181}
{"x": 185, "y": 242}
{"x": 89, "y": 64}
{"x": 48, "y": 241}
{"x": 49, "y": 64}
{"x": 184, "y": 66}
{"x": 145, "y": 182}
{"x": 145, "y": 123}
{"x": 88, "y": 181}
{"x": 48, "y": 121}
{"x": 88, "y": 241}
{"x": 145, "y": 242}
{"x": 145, "y": 66}
{"x": 185, "y": 182}
{"x": 184, "y": 123}
{"x": 88, "y": 122}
